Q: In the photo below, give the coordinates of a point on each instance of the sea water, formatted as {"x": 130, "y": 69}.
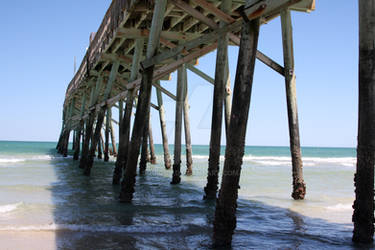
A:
{"x": 45, "y": 196}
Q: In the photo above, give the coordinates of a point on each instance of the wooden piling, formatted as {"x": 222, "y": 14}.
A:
{"x": 225, "y": 219}
{"x": 186, "y": 107}
{"x": 65, "y": 142}
{"x": 112, "y": 133}
{"x": 90, "y": 124}
{"x": 74, "y": 140}
{"x": 299, "y": 187}
{"x": 77, "y": 143}
{"x": 226, "y": 8}
{"x": 80, "y": 130}
{"x": 163, "y": 126}
{"x": 106, "y": 137}
{"x": 217, "y": 117}
{"x": 151, "y": 143}
{"x": 127, "y": 188}
{"x": 144, "y": 150}
{"x": 227, "y": 98}
{"x": 125, "y": 125}
{"x": 101, "y": 141}
{"x": 58, "y": 146}
{"x": 120, "y": 116}
{"x": 176, "y": 177}
{"x": 100, "y": 153}
{"x": 363, "y": 215}
{"x": 94, "y": 142}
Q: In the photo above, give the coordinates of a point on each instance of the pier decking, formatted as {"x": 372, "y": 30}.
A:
{"x": 141, "y": 42}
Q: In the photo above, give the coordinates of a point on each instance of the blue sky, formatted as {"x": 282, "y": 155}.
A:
{"x": 40, "y": 39}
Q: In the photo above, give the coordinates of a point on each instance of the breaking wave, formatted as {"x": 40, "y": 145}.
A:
{"x": 286, "y": 161}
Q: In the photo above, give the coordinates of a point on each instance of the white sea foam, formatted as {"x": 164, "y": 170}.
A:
{"x": 340, "y": 207}
{"x": 286, "y": 161}
{"x": 11, "y": 160}
{"x": 9, "y": 207}
{"x": 23, "y": 158}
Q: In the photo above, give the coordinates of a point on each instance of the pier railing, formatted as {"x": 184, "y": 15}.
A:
{"x": 111, "y": 21}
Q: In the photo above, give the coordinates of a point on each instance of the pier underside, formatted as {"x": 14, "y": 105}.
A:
{"x": 140, "y": 43}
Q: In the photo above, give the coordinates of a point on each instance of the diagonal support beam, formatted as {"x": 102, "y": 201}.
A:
{"x": 214, "y": 10}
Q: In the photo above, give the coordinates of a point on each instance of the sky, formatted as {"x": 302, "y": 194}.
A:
{"x": 39, "y": 40}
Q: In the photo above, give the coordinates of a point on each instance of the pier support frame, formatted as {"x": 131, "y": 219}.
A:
{"x": 299, "y": 187}
{"x": 363, "y": 216}
{"x": 225, "y": 218}
{"x": 217, "y": 117}
{"x": 163, "y": 126}
{"x": 100, "y": 119}
{"x": 127, "y": 188}
{"x": 125, "y": 125}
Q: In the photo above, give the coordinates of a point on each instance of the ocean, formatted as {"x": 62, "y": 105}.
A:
{"x": 46, "y": 202}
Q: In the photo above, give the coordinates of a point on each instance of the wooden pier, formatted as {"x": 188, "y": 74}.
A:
{"x": 141, "y": 42}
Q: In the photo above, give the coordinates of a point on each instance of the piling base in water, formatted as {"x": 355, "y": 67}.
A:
{"x": 299, "y": 191}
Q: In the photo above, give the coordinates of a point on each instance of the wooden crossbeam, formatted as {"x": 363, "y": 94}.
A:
{"x": 193, "y": 12}
{"x": 113, "y": 57}
{"x": 214, "y": 10}
{"x": 159, "y": 87}
{"x": 269, "y": 8}
{"x": 133, "y": 33}
{"x": 204, "y": 39}
{"x": 196, "y": 14}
